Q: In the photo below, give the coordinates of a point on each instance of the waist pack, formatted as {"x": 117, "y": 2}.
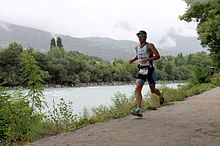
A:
{"x": 144, "y": 69}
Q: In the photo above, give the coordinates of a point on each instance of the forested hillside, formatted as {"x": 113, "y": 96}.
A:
{"x": 69, "y": 68}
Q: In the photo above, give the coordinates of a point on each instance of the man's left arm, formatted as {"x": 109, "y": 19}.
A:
{"x": 154, "y": 51}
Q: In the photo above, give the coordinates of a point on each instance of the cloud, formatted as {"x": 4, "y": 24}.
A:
{"x": 168, "y": 37}
{"x": 186, "y": 32}
{"x": 124, "y": 25}
{"x": 167, "y": 43}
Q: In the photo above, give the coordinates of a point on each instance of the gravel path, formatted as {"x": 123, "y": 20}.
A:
{"x": 193, "y": 122}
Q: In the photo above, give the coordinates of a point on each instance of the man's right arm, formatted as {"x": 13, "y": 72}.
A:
{"x": 133, "y": 59}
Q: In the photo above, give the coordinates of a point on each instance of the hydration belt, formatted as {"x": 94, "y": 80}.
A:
{"x": 144, "y": 69}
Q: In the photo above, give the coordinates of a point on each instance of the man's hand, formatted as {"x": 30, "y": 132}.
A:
{"x": 131, "y": 61}
{"x": 144, "y": 60}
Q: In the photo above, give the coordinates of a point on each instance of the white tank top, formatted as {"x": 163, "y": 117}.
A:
{"x": 143, "y": 53}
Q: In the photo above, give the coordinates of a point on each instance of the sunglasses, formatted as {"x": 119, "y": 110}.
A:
{"x": 141, "y": 35}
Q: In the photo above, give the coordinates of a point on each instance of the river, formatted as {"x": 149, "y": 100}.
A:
{"x": 90, "y": 97}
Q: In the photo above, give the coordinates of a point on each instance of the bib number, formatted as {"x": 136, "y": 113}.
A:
{"x": 143, "y": 71}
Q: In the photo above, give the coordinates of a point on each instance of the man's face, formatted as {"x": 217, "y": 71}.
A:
{"x": 142, "y": 38}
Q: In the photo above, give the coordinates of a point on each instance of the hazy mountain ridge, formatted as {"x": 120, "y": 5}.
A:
{"x": 185, "y": 44}
{"x": 103, "y": 47}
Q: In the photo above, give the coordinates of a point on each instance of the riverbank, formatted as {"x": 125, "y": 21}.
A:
{"x": 92, "y": 84}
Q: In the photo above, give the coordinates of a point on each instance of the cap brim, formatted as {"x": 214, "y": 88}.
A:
{"x": 141, "y": 34}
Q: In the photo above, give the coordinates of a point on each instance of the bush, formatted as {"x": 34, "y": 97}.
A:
{"x": 62, "y": 116}
{"x": 200, "y": 75}
{"x": 19, "y": 112}
{"x": 216, "y": 79}
{"x": 17, "y": 117}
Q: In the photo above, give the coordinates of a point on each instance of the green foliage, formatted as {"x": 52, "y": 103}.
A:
{"x": 207, "y": 14}
{"x": 32, "y": 79}
{"x": 84, "y": 120}
{"x": 215, "y": 79}
{"x": 52, "y": 43}
{"x": 16, "y": 117}
{"x": 62, "y": 115}
{"x": 200, "y": 72}
{"x": 17, "y": 114}
{"x": 121, "y": 107}
{"x": 56, "y": 52}
{"x": 181, "y": 67}
{"x": 59, "y": 42}
{"x": 59, "y": 67}
{"x": 200, "y": 75}
{"x": 9, "y": 59}
{"x": 12, "y": 53}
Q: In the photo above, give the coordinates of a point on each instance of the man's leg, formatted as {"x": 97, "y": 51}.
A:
{"x": 152, "y": 82}
{"x": 139, "y": 85}
{"x": 157, "y": 92}
{"x": 154, "y": 90}
{"x": 138, "y": 94}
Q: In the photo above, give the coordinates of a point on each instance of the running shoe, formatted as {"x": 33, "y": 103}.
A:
{"x": 137, "y": 112}
{"x": 161, "y": 99}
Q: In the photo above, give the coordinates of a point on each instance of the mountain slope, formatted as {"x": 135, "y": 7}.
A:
{"x": 105, "y": 48}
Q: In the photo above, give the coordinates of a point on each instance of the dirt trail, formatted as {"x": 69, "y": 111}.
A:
{"x": 193, "y": 122}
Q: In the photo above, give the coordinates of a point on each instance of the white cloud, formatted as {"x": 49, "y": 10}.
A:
{"x": 167, "y": 43}
{"x": 188, "y": 31}
{"x": 124, "y": 25}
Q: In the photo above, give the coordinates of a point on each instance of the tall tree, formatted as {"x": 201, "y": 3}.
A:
{"x": 59, "y": 42}
{"x": 9, "y": 69}
{"x": 32, "y": 79}
{"x": 52, "y": 43}
{"x": 207, "y": 14}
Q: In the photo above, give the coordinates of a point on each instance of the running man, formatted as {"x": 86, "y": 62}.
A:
{"x": 145, "y": 53}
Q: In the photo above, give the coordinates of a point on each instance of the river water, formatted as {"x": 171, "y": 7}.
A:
{"x": 91, "y": 97}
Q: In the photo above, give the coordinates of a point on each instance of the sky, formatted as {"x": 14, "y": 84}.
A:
{"x": 116, "y": 19}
